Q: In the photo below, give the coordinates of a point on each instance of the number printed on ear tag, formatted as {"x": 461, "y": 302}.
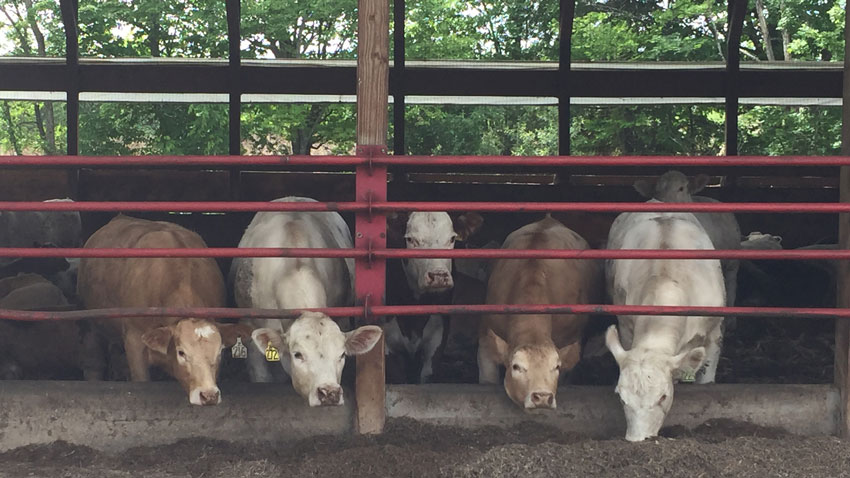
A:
{"x": 272, "y": 354}
{"x": 239, "y": 351}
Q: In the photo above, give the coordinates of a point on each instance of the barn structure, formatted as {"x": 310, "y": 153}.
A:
{"x": 811, "y": 191}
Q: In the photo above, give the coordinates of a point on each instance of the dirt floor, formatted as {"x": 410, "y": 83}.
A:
{"x": 411, "y": 449}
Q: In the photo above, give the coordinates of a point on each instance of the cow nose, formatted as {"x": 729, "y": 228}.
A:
{"x": 542, "y": 399}
{"x": 439, "y": 278}
{"x": 329, "y": 395}
{"x": 210, "y": 397}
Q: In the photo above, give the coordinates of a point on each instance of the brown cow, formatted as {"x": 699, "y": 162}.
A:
{"x": 189, "y": 349}
{"x": 536, "y": 349}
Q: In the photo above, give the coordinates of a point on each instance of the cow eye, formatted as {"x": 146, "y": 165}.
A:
{"x": 516, "y": 368}
{"x": 298, "y": 356}
{"x": 342, "y": 357}
{"x": 681, "y": 189}
{"x": 661, "y": 400}
{"x": 557, "y": 368}
{"x": 181, "y": 354}
{"x": 452, "y": 240}
{"x": 409, "y": 240}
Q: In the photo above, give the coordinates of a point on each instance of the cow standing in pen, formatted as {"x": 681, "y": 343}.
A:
{"x": 536, "y": 349}
{"x": 189, "y": 349}
{"x": 653, "y": 351}
{"x": 415, "y": 343}
{"x": 312, "y": 348}
{"x": 722, "y": 227}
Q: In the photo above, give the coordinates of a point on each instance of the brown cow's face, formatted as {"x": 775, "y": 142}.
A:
{"x": 192, "y": 350}
{"x": 532, "y": 371}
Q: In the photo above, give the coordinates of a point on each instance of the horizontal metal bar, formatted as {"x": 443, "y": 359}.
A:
{"x": 406, "y": 310}
{"x": 353, "y": 206}
{"x": 447, "y": 79}
{"x": 218, "y": 252}
{"x": 431, "y": 161}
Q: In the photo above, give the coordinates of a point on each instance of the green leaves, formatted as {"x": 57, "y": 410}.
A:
{"x": 611, "y": 30}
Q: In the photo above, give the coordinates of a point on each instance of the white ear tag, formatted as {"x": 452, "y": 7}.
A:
{"x": 239, "y": 351}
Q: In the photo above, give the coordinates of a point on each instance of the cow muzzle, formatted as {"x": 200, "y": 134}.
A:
{"x": 328, "y": 396}
{"x": 438, "y": 280}
{"x": 540, "y": 399}
{"x": 208, "y": 396}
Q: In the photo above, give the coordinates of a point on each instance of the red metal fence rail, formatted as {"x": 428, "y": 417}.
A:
{"x": 372, "y": 254}
{"x": 375, "y": 254}
{"x": 453, "y": 206}
{"x": 435, "y": 161}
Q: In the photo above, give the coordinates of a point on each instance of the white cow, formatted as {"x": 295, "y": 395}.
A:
{"x": 415, "y": 343}
{"x": 722, "y": 227}
{"x": 652, "y": 351}
{"x": 313, "y": 347}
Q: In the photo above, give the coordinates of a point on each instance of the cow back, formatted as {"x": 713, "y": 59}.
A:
{"x": 148, "y": 282}
{"x": 543, "y": 281}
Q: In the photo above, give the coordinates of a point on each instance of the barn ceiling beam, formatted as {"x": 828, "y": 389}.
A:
{"x": 151, "y": 76}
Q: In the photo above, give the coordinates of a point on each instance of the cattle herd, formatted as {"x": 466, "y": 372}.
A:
{"x": 530, "y": 353}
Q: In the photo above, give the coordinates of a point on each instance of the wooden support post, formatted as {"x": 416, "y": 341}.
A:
{"x": 842, "y": 326}
{"x": 371, "y": 185}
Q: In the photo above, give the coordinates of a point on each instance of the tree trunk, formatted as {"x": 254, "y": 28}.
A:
{"x": 786, "y": 45}
{"x": 302, "y": 140}
{"x": 786, "y": 36}
{"x": 765, "y": 32}
{"x": 7, "y": 115}
{"x": 46, "y": 121}
{"x": 153, "y": 37}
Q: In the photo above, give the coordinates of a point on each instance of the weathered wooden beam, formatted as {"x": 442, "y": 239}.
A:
{"x": 371, "y": 184}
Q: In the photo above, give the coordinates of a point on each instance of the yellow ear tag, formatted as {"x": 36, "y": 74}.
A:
{"x": 272, "y": 354}
{"x": 688, "y": 376}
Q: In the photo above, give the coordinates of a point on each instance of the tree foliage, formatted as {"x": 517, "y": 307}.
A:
{"x": 612, "y": 30}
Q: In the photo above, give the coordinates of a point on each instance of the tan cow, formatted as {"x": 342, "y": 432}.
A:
{"x": 536, "y": 349}
{"x": 188, "y": 349}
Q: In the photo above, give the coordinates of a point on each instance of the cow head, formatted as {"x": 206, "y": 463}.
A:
{"x": 672, "y": 186}
{"x": 532, "y": 371}
{"x": 646, "y": 384}
{"x": 191, "y": 351}
{"x": 316, "y": 349}
{"x": 434, "y": 230}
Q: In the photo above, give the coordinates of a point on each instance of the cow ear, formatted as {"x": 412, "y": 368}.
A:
{"x": 690, "y": 360}
{"x": 496, "y": 347}
{"x": 158, "y": 339}
{"x": 466, "y": 225}
{"x": 396, "y": 226}
{"x": 229, "y": 333}
{"x": 612, "y": 341}
{"x": 569, "y": 355}
{"x": 361, "y": 340}
{"x": 698, "y": 183}
{"x": 645, "y": 188}
{"x": 263, "y": 337}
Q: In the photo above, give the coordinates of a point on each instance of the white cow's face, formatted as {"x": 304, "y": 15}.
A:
{"x": 672, "y": 186}
{"x": 429, "y": 230}
{"x": 646, "y": 392}
{"x": 316, "y": 349}
{"x": 645, "y": 385}
{"x": 532, "y": 371}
